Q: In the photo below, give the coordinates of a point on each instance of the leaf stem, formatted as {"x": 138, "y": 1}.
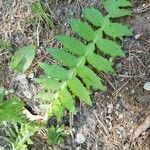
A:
{"x": 90, "y": 49}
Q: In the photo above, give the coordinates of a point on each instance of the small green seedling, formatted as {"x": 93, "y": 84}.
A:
{"x": 40, "y": 14}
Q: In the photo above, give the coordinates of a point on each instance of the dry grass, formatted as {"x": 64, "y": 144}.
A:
{"x": 14, "y": 16}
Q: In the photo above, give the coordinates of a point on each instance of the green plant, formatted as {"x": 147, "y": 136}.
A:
{"x": 78, "y": 61}
{"x": 11, "y": 110}
{"x": 24, "y": 134}
{"x": 23, "y": 58}
{"x": 19, "y": 134}
{"x": 56, "y": 135}
{"x": 75, "y": 73}
{"x": 17, "y": 130}
{"x": 4, "y": 44}
{"x": 39, "y": 11}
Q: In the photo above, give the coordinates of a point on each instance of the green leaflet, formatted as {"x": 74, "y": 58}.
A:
{"x": 110, "y": 47}
{"x": 116, "y": 8}
{"x": 79, "y": 90}
{"x": 40, "y": 13}
{"x": 124, "y": 3}
{"x": 18, "y": 134}
{"x": 72, "y": 45}
{"x": 117, "y": 30}
{"x": 55, "y": 71}
{"x": 83, "y": 29}
{"x": 94, "y": 16}
{"x": 11, "y": 110}
{"x": 64, "y": 57}
{"x": 37, "y": 8}
{"x": 25, "y": 132}
{"x": 49, "y": 84}
{"x": 90, "y": 78}
{"x": 55, "y": 134}
{"x": 67, "y": 101}
{"x": 56, "y": 109}
{"x": 100, "y": 63}
{"x": 45, "y": 96}
{"x": 22, "y": 59}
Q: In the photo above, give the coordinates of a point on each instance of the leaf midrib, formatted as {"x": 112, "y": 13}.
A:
{"x": 82, "y": 59}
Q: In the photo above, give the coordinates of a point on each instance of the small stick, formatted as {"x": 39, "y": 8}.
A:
{"x": 32, "y": 117}
{"x": 143, "y": 127}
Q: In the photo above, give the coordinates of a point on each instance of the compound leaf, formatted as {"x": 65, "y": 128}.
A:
{"x": 76, "y": 56}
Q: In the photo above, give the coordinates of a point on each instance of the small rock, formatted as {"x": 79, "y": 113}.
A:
{"x": 119, "y": 65}
{"x": 117, "y": 113}
{"x": 109, "y": 117}
{"x": 117, "y": 106}
{"x": 137, "y": 36}
{"x": 132, "y": 91}
{"x": 121, "y": 128}
{"x": 80, "y": 138}
{"x": 147, "y": 86}
{"x": 31, "y": 75}
{"x": 120, "y": 116}
{"x": 126, "y": 147}
{"x": 110, "y": 108}
{"x": 27, "y": 94}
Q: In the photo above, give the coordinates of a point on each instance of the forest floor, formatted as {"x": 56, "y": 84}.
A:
{"x": 117, "y": 115}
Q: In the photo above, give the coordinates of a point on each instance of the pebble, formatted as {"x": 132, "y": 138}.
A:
{"x": 31, "y": 75}
{"x": 132, "y": 91}
{"x": 137, "y": 36}
{"x": 147, "y": 86}
{"x": 126, "y": 147}
{"x": 28, "y": 94}
{"x": 80, "y": 138}
{"x": 120, "y": 116}
{"x": 110, "y": 108}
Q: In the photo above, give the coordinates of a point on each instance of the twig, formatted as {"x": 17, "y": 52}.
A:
{"x": 118, "y": 90}
{"x": 32, "y": 117}
{"x": 143, "y": 127}
{"x": 37, "y": 32}
{"x": 100, "y": 122}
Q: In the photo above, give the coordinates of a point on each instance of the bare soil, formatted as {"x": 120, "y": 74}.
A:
{"x": 111, "y": 122}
